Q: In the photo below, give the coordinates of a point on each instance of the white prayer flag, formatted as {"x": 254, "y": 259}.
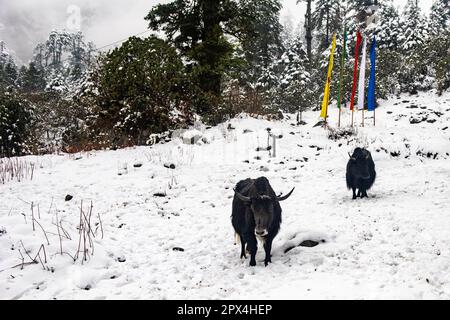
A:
{"x": 362, "y": 77}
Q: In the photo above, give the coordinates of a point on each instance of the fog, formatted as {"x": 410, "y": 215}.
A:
{"x": 25, "y": 23}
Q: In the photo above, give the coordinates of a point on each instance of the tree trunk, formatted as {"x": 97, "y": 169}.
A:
{"x": 308, "y": 27}
{"x": 210, "y": 76}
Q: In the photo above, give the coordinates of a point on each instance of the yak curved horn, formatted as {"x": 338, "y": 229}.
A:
{"x": 242, "y": 197}
{"x": 351, "y": 158}
{"x": 282, "y": 198}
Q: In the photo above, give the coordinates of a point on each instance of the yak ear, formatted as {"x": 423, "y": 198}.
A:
{"x": 247, "y": 200}
{"x": 282, "y": 198}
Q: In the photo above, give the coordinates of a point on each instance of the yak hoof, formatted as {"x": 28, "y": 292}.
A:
{"x": 252, "y": 263}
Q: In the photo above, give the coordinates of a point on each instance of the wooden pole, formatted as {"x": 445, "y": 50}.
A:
{"x": 374, "y": 123}
{"x": 363, "y": 118}
{"x": 353, "y": 116}
{"x": 339, "y": 119}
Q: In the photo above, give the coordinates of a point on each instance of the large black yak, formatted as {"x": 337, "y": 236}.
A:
{"x": 256, "y": 215}
{"x": 360, "y": 172}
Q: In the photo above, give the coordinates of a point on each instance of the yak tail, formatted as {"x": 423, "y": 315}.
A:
{"x": 237, "y": 238}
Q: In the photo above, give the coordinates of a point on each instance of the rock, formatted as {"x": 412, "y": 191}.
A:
{"x": 68, "y": 197}
{"x": 431, "y": 120}
{"x": 178, "y": 249}
{"x": 310, "y": 243}
{"x": 121, "y": 259}
{"x": 247, "y": 131}
{"x": 444, "y": 128}
{"x": 264, "y": 169}
{"x": 137, "y": 165}
{"x": 169, "y": 165}
{"x": 160, "y": 194}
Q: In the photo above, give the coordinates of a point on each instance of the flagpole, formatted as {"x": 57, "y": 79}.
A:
{"x": 341, "y": 75}
{"x": 374, "y": 117}
{"x": 324, "y": 112}
{"x": 363, "y": 117}
{"x": 355, "y": 74}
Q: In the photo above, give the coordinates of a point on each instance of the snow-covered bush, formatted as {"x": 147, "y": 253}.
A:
{"x": 138, "y": 89}
{"x": 15, "y": 115}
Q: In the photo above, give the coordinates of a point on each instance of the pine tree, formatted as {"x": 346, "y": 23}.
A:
{"x": 32, "y": 79}
{"x": 10, "y": 72}
{"x": 196, "y": 28}
{"x": 327, "y": 18}
{"x": 414, "y": 27}
{"x": 295, "y": 87}
{"x": 440, "y": 16}
{"x": 388, "y": 29}
{"x": 261, "y": 40}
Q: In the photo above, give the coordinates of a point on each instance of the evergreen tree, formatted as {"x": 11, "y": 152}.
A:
{"x": 414, "y": 27}
{"x": 295, "y": 87}
{"x": 440, "y": 16}
{"x": 15, "y": 116}
{"x": 388, "y": 28}
{"x": 326, "y": 19}
{"x": 32, "y": 79}
{"x": 9, "y": 73}
{"x": 261, "y": 40}
{"x": 197, "y": 29}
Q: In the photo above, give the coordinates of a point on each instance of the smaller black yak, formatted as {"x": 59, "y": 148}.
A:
{"x": 360, "y": 172}
{"x": 256, "y": 216}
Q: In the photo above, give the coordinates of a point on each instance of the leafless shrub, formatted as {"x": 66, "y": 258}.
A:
{"x": 15, "y": 169}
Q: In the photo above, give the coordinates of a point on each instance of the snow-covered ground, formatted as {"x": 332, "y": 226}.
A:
{"x": 396, "y": 244}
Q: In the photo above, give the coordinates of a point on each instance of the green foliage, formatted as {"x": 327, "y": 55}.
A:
{"x": 15, "y": 115}
{"x": 196, "y": 29}
{"x": 138, "y": 87}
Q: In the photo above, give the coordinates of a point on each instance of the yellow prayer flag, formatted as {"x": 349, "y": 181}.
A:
{"x": 326, "y": 96}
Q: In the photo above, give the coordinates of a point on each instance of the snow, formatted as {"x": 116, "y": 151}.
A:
{"x": 396, "y": 244}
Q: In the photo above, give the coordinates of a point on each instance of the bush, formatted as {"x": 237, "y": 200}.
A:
{"x": 139, "y": 89}
{"x": 15, "y": 117}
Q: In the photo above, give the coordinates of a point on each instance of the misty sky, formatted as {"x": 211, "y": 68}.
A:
{"x": 25, "y": 23}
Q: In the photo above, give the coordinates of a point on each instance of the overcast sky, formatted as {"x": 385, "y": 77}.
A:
{"x": 25, "y": 23}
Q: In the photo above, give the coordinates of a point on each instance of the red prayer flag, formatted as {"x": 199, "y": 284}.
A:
{"x": 355, "y": 73}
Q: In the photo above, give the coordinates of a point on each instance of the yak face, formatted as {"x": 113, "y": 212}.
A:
{"x": 263, "y": 214}
{"x": 262, "y": 207}
{"x": 360, "y": 162}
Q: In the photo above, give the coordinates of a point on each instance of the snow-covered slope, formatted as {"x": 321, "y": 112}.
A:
{"x": 396, "y": 244}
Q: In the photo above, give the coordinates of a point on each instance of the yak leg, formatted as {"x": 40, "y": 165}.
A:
{"x": 267, "y": 249}
{"x": 364, "y": 194}
{"x": 354, "y": 193}
{"x": 359, "y": 194}
{"x": 252, "y": 246}
{"x": 243, "y": 249}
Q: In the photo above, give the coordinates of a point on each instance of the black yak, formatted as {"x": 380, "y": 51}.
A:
{"x": 256, "y": 215}
{"x": 360, "y": 172}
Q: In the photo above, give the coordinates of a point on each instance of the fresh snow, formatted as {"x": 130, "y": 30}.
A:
{"x": 396, "y": 244}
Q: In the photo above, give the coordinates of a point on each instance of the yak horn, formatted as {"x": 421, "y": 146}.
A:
{"x": 242, "y": 197}
{"x": 282, "y": 198}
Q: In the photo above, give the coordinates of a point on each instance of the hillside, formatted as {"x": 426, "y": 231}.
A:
{"x": 167, "y": 232}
